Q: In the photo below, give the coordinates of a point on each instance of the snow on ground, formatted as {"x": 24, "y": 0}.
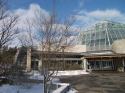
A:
{"x": 64, "y": 86}
{"x": 61, "y": 88}
{"x": 71, "y": 73}
{"x": 36, "y": 88}
{"x": 72, "y": 91}
{"x": 35, "y": 75}
{"x": 38, "y": 76}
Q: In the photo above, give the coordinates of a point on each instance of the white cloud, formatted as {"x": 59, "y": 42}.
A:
{"x": 24, "y": 15}
{"x": 29, "y": 13}
{"x": 85, "y": 18}
{"x": 106, "y": 13}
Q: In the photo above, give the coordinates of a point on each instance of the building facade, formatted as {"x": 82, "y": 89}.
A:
{"x": 68, "y": 59}
{"x": 102, "y": 49}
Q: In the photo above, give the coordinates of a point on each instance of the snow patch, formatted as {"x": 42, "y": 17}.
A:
{"x": 36, "y": 88}
{"x": 36, "y": 75}
{"x": 72, "y": 91}
{"x": 62, "y": 88}
{"x": 71, "y": 73}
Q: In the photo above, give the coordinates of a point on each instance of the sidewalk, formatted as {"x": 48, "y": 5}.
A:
{"x": 97, "y": 82}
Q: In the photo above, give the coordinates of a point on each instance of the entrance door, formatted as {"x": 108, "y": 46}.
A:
{"x": 34, "y": 65}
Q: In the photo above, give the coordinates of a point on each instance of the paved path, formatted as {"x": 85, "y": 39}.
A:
{"x": 97, "y": 83}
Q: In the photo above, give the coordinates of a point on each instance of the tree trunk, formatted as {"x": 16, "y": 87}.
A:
{"x": 1, "y": 49}
{"x": 45, "y": 86}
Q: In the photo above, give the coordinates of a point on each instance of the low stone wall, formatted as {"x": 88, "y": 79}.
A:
{"x": 63, "y": 89}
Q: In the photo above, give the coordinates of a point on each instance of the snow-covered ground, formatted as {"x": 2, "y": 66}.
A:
{"x": 38, "y": 76}
{"x": 71, "y": 73}
{"x": 64, "y": 86}
{"x": 36, "y": 88}
{"x": 72, "y": 91}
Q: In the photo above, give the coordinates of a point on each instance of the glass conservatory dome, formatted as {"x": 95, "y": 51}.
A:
{"x": 102, "y": 35}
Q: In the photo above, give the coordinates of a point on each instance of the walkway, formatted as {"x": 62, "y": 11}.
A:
{"x": 97, "y": 82}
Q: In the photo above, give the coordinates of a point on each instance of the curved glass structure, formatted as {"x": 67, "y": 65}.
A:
{"x": 102, "y": 35}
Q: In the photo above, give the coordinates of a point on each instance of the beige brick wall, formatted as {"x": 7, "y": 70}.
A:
{"x": 118, "y": 46}
{"x": 76, "y": 48}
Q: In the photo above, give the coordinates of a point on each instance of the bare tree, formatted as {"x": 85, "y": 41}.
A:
{"x": 7, "y": 34}
{"x": 3, "y": 9}
{"x": 7, "y": 25}
{"x": 52, "y": 35}
{"x": 27, "y": 38}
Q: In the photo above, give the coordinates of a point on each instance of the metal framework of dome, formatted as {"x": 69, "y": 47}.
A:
{"x": 102, "y": 35}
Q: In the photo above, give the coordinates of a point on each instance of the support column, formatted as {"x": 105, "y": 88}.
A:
{"x": 84, "y": 64}
{"x": 16, "y": 56}
{"x": 28, "y": 63}
{"x": 100, "y": 65}
{"x": 95, "y": 67}
{"x": 123, "y": 62}
{"x": 40, "y": 65}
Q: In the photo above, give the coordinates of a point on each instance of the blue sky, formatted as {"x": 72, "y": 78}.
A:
{"x": 68, "y": 7}
{"x": 87, "y": 12}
